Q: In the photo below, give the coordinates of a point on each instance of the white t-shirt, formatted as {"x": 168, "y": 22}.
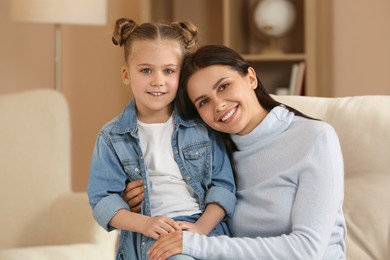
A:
{"x": 169, "y": 193}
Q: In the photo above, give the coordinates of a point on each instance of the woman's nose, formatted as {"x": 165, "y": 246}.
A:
{"x": 220, "y": 105}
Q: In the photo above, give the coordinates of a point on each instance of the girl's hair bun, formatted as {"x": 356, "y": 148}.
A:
{"x": 188, "y": 32}
{"x": 123, "y": 28}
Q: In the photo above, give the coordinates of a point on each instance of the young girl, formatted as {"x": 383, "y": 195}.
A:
{"x": 289, "y": 168}
{"x": 185, "y": 169}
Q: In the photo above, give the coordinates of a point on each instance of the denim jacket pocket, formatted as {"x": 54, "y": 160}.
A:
{"x": 132, "y": 169}
{"x": 197, "y": 158}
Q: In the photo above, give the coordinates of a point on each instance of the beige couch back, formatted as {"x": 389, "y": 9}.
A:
{"x": 363, "y": 126}
{"x": 34, "y": 163}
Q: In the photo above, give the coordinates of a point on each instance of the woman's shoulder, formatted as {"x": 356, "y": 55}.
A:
{"x": 313, "y": 127}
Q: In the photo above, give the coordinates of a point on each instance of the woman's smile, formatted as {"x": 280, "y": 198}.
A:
{"x": 229, "y": 115}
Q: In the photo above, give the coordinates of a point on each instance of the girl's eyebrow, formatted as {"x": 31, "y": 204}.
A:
{"x": 216, "y": 84}
{"x": 165, "y": 65}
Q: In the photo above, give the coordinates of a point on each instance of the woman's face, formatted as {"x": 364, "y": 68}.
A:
{"x": 225, "y": 99}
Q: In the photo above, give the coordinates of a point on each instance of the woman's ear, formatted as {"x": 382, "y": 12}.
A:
{"x": 252, "y": 78}
{"x": 125, "y": 76}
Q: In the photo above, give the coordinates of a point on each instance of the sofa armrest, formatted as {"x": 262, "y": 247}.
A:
{"x": 71, "y": 222}
{"x": 63, "y": 252}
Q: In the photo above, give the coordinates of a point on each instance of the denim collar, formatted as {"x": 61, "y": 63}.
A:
{"x": 126, "y": 122}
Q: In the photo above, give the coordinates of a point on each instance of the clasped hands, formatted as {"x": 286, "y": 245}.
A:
{"x": 166, "y": 231}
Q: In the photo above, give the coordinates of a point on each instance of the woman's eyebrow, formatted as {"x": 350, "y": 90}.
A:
{"x": 215, "y": 85}
{"x": 198, "y": 98}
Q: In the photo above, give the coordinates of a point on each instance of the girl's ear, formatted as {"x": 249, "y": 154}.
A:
{"x": 252, "y": 78}
{"x": 125, "y": 76}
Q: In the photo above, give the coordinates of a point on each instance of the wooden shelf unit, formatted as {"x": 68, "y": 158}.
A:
{"x": 230, "y": 22}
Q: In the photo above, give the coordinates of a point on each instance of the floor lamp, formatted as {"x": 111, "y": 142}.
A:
{"x": 60, "y": 12}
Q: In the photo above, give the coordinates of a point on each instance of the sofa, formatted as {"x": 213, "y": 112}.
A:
{"x": 41, "y": 217}
{"x": 363, "y": 126}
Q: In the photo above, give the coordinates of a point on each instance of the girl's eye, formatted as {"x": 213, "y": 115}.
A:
{"x": 146, "y": 70}
{"x": 169, "y": 71}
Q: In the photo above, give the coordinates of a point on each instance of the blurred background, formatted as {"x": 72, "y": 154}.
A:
{"x": 345, "y": 45}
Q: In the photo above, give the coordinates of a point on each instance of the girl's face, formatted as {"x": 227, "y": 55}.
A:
{"x": 225, "y": 99}
{"x": 152, "y": 73}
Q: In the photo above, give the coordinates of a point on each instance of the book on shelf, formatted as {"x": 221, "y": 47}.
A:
{"x": 297, "y": 78}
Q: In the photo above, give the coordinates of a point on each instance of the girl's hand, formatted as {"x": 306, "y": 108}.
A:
{"x": 166, "y": 246}
{"x": 156, "y": 226}
{"x": 134, "y": 195}
{"x": 192, "y": 227}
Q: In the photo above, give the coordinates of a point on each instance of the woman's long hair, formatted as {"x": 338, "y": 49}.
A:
{"x": 218, "y": 55}
{"x": 210, "y": 55}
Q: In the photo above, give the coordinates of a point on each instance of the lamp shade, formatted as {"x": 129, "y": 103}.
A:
{"x": 83, "y": 12}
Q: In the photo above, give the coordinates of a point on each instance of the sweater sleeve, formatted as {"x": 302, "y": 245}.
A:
{"x": 314, "y": 214}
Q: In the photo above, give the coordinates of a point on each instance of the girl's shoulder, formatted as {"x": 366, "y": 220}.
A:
{"x": 123, "y": 123}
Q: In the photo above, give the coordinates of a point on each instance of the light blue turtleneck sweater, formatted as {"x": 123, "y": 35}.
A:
{"x": 289, "y": 194}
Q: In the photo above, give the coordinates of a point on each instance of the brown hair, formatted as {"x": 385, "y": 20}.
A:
{"x": 210, "y": 55}
{"x": 218, "y": 55}
{"x": 126, "y": 31}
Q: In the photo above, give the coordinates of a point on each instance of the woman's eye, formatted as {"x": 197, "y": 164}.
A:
{"x": 202, "y": 103}
{"x": 223, "y": 86}
{"x": 146, "y": 70}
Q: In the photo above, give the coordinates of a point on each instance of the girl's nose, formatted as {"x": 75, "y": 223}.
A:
{"x": 158, "y": 80}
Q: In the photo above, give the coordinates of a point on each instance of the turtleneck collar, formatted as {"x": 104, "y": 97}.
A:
{"x": 276, "y": 122}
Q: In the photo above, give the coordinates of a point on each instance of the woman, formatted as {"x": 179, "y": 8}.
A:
{"x": 289, "y": 168}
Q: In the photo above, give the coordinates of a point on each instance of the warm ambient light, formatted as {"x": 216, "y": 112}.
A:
{"x": 88, "y": 12}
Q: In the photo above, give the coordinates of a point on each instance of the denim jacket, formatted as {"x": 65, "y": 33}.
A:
{"x": 118, "y": 159}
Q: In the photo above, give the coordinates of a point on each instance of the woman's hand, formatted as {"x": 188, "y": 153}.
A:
{"x": 156, "y": 226}
{"x": 134, "y": 195}
{"x": 167, "y": 245}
